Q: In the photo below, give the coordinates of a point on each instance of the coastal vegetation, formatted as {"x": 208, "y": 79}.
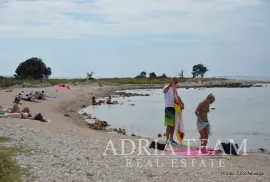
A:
{"x": 10, "y": 170}
{"x": 199, "y": 70}
{"x": 35, "y": 71}
{"x": 33, "y": 68}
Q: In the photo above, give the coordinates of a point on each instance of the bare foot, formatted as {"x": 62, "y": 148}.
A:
{"x": 203, "y": 150}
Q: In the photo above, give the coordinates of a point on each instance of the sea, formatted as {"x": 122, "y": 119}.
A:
{"x": 240, "y": 114}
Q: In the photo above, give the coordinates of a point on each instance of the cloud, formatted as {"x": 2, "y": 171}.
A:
{"x": 86, "y": 18}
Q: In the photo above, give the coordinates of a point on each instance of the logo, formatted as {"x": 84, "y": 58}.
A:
{"x": 136, "y": 153}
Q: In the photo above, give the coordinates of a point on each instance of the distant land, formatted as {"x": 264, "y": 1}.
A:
{"x": 256, "y": 78}
{"x": 262, "y": 78}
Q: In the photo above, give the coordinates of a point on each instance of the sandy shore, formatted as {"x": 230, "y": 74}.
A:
{"x": 67, "y": 150}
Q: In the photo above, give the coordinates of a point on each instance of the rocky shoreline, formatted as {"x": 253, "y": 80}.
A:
{"x": 196, "y": 85}
{"x": 101, "y": 125}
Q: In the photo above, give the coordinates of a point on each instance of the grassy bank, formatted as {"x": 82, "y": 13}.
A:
{"x": 10, "y": 170}
{"x": 8, "y": 82}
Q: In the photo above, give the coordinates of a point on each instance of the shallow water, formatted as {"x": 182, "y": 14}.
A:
{"x": 241, "y": 113}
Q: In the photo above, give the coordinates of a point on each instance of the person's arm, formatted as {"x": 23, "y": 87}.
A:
{"x": 197, "y": 112}
{"x": 166, "y": 89}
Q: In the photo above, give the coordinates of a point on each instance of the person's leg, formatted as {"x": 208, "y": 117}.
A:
{"x": 204, "y": 139}
{"x": 167, "y": 123}
{"x": 206, "y": 134}
{"x": 12, "y": 115}
{"x": 200, "y": 143}
{"x": 171, "y": 129}
{"x": 170, "y": 122}
{"x": 167, "y": 133}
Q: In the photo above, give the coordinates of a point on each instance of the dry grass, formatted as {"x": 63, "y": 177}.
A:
{"x": 7, "y": 82}
{"x": 10, "y": 170}
{"x": 4, "y": 139}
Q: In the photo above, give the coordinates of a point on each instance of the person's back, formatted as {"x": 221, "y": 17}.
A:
{"x": 15, "y": 108}
{"x": 203, "y": 111}
{"x": 169, "y": 97}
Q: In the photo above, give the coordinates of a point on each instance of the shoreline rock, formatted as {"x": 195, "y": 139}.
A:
{"x": 126, "y": 94}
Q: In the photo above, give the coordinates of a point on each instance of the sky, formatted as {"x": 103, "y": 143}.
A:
{"x": 121, "y": 38}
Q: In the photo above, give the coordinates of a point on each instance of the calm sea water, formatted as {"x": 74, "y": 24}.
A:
{"x": 240, "y": 113}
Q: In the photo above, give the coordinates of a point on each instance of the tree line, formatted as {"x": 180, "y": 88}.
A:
{"x": 35, "y": 68}
{"x": 198, "y": 70}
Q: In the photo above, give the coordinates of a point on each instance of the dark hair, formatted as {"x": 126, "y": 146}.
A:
{"x": 210, "y": 96}
{"x": 39, "y": 117}
{"x": 93, "y": 97}
{"x": 26, "y": 110}
{"x": 17, "y": 98}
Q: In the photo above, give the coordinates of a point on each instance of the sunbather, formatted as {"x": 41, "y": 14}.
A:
{"x": 28, "y": 97}
{"x": 94, "y": 102}
{"x": 22, "y": 115}
{"x": 109, "y": 101}
{"x": 15, "y": 108}
{"x": 41, "y": 95}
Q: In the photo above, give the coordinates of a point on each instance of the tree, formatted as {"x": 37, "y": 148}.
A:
{"x": 163, "y": 76}
{"x": 89, "y": 76}
{"x": 142, "y": 75}
{"x": 33, "y": 68}
{"x": 181, "y": 74}
{"x": 199, "y": 70}
{"x": 152, "y": 75}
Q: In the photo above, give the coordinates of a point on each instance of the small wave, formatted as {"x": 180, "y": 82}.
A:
{"x": 260, "y": 151}
{"x": 246, "y": 133}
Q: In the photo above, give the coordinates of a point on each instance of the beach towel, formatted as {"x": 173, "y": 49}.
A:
{"x": 50, "y": 97}
{"x": 179, "y": 124}
{"x": 60, "y": 87}
{"x": 196, "y": 153}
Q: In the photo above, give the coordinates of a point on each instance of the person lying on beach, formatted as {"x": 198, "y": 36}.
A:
{"x": 203, "y": 124}
{"x": 29, "y": 97}
{"x": 22, "y": 115}
{"x": 39, "y": 95}
{"x": 109, "y": 101}
{"x": 94, "y": 102}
